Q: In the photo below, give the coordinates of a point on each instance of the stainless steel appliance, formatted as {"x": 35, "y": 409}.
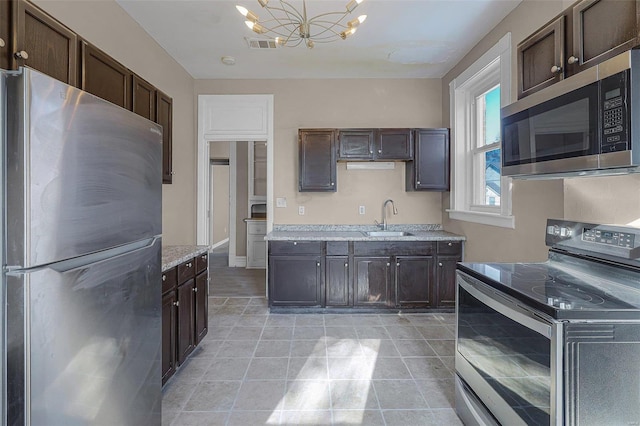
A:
{"x": 553, "y": 343}
{"x": 81, "y": 257}
{"x": 584, "y": 125}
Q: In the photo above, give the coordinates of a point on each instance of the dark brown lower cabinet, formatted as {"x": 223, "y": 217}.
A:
{"x": 372, "y": 282}
{"x": 169, "y": 323}
{"x": 445, "y": 296}
{"x": 186, "y": 341}
{"x": 414, "y": 281}
{"x": 337, "y": 281}
{"x": 201, "y": 307}
{"x": 295, "y": 280}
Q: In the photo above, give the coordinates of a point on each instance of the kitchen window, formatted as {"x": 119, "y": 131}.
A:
{"x": 479, "y": 193}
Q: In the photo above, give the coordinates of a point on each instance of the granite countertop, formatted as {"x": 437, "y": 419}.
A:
{"x": 356, "y": 233}
{"x": 175, "y": 255}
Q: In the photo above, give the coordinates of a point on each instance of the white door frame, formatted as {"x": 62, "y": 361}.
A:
{"x": 231, "y": 118}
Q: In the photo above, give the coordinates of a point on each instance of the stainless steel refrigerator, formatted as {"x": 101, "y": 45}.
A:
{"x": 81, "y": 232}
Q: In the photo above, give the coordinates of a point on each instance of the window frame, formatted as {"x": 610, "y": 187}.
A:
{"x": 491, "y": 69}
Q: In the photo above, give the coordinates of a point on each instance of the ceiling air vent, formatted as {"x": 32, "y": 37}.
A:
{"x": 255, "y": 43}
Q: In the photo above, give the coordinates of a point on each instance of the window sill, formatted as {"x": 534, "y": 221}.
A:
{"x": 491, "y": 219}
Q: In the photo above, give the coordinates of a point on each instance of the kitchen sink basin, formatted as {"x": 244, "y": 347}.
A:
{"x": 387, "y": 233}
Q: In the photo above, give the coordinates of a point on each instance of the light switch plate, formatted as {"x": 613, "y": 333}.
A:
{"x": 361, "y": 210}
{"x": 301, "y": 210}
{"x": 281, "y": 202}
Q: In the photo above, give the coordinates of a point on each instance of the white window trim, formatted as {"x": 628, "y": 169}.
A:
{"x": 461, "y": 206}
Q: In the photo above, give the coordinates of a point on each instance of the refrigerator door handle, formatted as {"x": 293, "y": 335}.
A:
{"x": 82, "y": 262}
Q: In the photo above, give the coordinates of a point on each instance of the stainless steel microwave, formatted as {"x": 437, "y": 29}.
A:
{"x": 587, "y": 124}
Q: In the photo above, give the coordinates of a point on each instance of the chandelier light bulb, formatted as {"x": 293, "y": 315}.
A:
{"x": 353, "y": 4}
{"x": 248, "y": 14}
{"x": 362, "y": 18}
{"x": 356, "y": 21}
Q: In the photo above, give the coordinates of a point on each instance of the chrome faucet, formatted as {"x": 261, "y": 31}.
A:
{"x": 384, "y": 213}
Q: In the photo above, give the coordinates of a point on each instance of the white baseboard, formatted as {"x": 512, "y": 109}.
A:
{"x": 219, "y": 243}
{"x": 237, "y": 261}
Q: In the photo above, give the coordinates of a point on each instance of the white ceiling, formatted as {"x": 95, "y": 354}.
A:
{"x": 400, "y": 38}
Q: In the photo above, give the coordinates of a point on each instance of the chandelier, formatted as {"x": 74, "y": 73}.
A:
{"x": 290, "y": 27}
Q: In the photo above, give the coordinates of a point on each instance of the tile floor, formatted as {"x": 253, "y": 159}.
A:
{"x": 256, "y": 368}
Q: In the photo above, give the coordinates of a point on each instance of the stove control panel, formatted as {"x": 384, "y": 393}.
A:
{"x": 613, "y": 238}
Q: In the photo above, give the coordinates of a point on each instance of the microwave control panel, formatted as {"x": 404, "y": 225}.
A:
{"x": 615, "y": 123}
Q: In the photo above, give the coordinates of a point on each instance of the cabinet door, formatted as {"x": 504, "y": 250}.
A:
{"x": 394, "y": 144}
{"x": 295, "y": 280}
{"x": 317, "y": 160}
{"x": 446, "y": 281}
{"x": 144, "y": 98}
{"x": 601, "y": 30}
{"x": 541, "y": 58}
{"x": 5, "y": 34}
{"x": 414, "y": 281}
{"x": 164, "y": 117}
{"x": 356, "y": 144}
{"x": 256, "y": 251}
{"x": 372, "y": 282}
{"x": 169, "y": 320}
{"x": 430, "y": 168}
{"x": 105, "y": 77}
{"x": 185, "y": 320}
{"x": 337, "y": 281}
{"x": 50, "y": 47}
{"x": 201, "y": 305}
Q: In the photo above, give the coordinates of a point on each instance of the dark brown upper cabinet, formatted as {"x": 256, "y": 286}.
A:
{"x": 541, "y": 58}
{"x": 375, "y": 144}
{"x": 42, "y": 43}
{"x": 429, "y": 170}
{"x": 394, "y": 144}
{"x": 356, "y": 144}
{"x": 105, "y": 77}
{"x": 5, "y": 34}
{"x": 602, "y": 29}
{"x": 164, "y": 117}
{"x": 317, "y": 160}
{"x": 584, "y": 35}
{"x": 144, "y": 98}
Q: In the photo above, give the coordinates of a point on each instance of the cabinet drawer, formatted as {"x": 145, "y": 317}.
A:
{"x": 337, "y": 248}
{"x": 169, "y": 280}
{"x": 393, "y": 248}
{"x": 186, "y": 271}
{"x": 256, "y": 228}
{"x": 449, "y": 247}
{"x": 202, "y": 262}
{"x": 295, "y": 247}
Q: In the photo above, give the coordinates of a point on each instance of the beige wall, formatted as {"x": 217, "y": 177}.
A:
{"x": 220, "y": 202}
{"x": 533, "y": 201}
{"x": 344, "y": 103}
{"x": 105, "y": 24}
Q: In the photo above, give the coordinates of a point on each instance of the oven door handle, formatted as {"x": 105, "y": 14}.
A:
{"x": 505, "y": 305}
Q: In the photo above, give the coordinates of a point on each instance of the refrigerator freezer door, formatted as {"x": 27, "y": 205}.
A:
{"x": 83, "y": 174}
{"x": 83, "y": 344}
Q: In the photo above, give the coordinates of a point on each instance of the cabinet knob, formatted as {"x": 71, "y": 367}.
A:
{"x": 204, "y": 257}
{"x": 370, "y": 151}
{"x": 176, "y": 303}
{"x": 295, "y": 243}
{"x": 164, "y": 278}
{"x": 388, "y": 264}
{"x": 21, "y": 55}
{"x": 317, "y": 263}
{"x": 346, "y": 265}
{"x": 2, "y": 44}
{"x": 572, "y": 60}
{"x": 440, "y": 264}
{"x": 379, "y": 151}
{"x": 398, "y": 264}
{"x": 332, "y": 183}
{"x": 556, "y": 69}
{"x": 195, "y": 289}
{"x": 418, "y": 182}
{"x": 450, "y": 244}
{"x": 189, "y": 265}
{"x": 173, "y": 173}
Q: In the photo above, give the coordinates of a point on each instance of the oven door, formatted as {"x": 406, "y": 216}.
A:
{"x": 508, "y": 355}
{"x": 559, "y": 135}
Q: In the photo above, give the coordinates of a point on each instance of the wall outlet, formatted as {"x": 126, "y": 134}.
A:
{"x": 301, "y": 210}
{"x": 361, "y": 210}
{"x": 281, "y": 202}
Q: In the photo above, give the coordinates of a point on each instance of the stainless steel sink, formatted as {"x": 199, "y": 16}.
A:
{"x": 386, "y": 233}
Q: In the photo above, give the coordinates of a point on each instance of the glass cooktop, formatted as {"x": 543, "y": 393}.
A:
{"x": 564, "y": 287}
